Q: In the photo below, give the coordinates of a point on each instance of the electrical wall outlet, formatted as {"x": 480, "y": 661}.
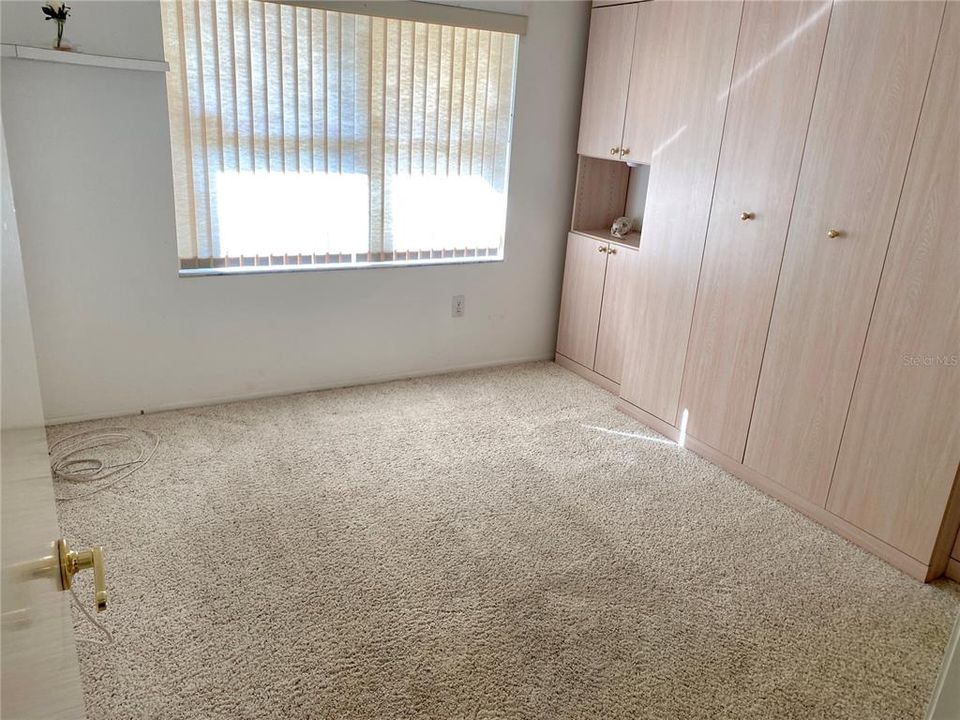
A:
{"x": 456, "y": 309}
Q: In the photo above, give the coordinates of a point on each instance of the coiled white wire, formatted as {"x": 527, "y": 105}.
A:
{"x": 71, "y": 463}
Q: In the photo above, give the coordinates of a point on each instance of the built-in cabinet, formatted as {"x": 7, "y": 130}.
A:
{"x": 698, "y": 53}
{"x": 592, "y": 308}
{"x": 872, "y": 80}
{"x": 611, "y": 336}
{"x": 792, "y": 302}
{"x": 763, "y": 141}
{"x": 893, "y": 479}
{"x": 606, "y": 80}
{"x": 648, "y": 80}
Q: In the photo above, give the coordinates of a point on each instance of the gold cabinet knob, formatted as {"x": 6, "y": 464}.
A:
{"x": 746, "y": 215}
{"x": 612, "y": 251}
{"x": 602, "y": 248}
{"x": 833, "y": 233}
{"x": 625, "y": 151}
{"x": 614, "y": 150}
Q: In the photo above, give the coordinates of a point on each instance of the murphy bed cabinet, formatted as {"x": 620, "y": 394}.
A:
{"x": 789, "y": 306}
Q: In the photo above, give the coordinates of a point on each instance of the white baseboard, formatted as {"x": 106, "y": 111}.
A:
{"x": 279, "y": 392}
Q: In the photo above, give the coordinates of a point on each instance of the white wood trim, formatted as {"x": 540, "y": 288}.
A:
{"x": 422, "y": 12}
{"x": 27, "y": 52}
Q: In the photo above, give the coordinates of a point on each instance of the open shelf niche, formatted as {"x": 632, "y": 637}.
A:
{"x": 606, "y": 190}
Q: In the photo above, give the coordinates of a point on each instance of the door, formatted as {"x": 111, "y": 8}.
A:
{"x": 701, "y": 38}
{"x": 648, "y": 77}
{"x": 606, "y": 79}
{"x": 901, "y": 444}
{"x": 774, "y": 79}
{"x": 875, "y": 68}
{"x": 581, "y": 297}
{"x": 40, "y": 675}
{"x": 621, "y": 265}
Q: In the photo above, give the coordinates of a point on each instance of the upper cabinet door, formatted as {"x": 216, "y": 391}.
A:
{"x": 901, "y": 444}
{"x": 606, "y": 79}
{"x": 580, "y": 299}
{"x": 875, "y": 68}
{"x": 649, "y": 78}
{"x": 699, "y": 46}
{"x": 774, "y": 79}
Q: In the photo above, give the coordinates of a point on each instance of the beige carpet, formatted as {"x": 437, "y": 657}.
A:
{"x": 494, "y": 544}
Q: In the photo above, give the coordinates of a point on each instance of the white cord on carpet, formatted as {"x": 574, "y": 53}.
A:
{"x": 68, "y": 468}
{"x": 93, "y": 621}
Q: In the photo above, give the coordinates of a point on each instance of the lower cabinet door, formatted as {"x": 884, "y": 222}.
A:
{"x": 611, "y": 338}
{"x": 581, "y": 298}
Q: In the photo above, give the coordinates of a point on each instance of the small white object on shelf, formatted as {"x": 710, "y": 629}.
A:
{"x": 28, "y": 52}
{"x": 621, "y": 227}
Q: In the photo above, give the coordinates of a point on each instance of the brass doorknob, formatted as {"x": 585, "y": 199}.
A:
{"x": 612, "y": 251}
{"x": 614, "y": 150}
{"x": 746, "y": 215}
{"x": 833, "y": 233}
{"x": 73, "y": 561}
{"x": 602, "y": 248}
{"x": 625, "y": 151}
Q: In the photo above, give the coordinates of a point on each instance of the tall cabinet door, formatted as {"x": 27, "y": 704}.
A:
{"x": 648, "y": 81}
{"x": 700, "y": 42}
{"x": 875, "y": 68}
{"x": 606, "y": 79}
{"x": 770, "y": 101}
{"x": 581, "y": 297}
{"x": 901, "y": 444}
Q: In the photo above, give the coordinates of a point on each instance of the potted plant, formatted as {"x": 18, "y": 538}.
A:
{"x": 59, "y": 11}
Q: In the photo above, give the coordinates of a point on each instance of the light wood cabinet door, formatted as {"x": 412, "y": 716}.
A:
{"x": 875, "y": 68}
{"x": 606, "y": 79}
{"x": 648, "y": 78}
{"x": 581, "y": 298}
{"x": 611, "y": 337}
{"x": 901, "y": 443}
{"x": 700, "y": 41}
{"x": 770, "y": 101}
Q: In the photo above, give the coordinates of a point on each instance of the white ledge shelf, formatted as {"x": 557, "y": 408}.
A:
{"x": 28, "y": 52}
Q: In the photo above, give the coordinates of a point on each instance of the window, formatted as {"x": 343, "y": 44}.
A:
{"x": 308, "y": 137}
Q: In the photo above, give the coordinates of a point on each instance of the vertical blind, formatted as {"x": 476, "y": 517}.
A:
{"x": 307, "y": 136}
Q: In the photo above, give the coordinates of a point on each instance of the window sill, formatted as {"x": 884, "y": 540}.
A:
{"x": 272, "y": 269}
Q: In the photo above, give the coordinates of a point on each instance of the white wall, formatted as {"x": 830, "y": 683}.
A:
{"x": 118, "y": 331}
{"x": 19, "y": 388}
